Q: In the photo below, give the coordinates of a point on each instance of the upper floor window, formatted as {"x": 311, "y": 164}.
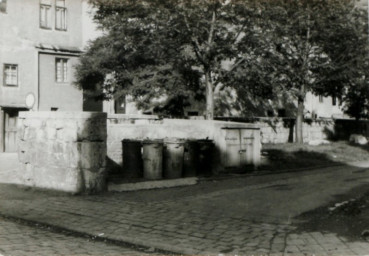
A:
{"x": 60, "y": 15}
{"x": 45, "y": 14}
{"x": 2, "y": 6}
{"x": 10, "y": 74}
{"x": 61, "y": 70}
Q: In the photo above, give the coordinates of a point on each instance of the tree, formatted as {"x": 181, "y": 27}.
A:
{"x": 355, "y": 96}
{"x": 310, "y": 49}
{"x": 173, "y": 49}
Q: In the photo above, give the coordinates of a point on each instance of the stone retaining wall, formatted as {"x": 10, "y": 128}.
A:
{"x": 63, "y": 151}
{"x": 140, "y": 127}
{"x": 277, "y": 130}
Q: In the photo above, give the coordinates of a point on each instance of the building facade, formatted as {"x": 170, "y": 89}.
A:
{"x": 40, "y": 42}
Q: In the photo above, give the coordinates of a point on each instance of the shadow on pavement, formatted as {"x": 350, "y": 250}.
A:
{"x": 280, "y": 160}
{"x": 347, "y": 215}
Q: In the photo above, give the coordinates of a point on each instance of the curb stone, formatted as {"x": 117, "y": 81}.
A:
{"x": 152, "y": 184}
{"x": 133, "y": 243}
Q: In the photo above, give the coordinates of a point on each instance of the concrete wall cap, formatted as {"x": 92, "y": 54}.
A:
{"x": 132, "y": 116}
{"x": 213, "y": 123}
{"x": 62, "y": 114}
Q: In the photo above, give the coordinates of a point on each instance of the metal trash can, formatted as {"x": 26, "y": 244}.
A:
{"x": 190, "y": 158}
{"x": 152, "y": 156}
{"x": 173, "y": 158}
{"x": 132, "y": 159}
{"x": 206, "y": 148}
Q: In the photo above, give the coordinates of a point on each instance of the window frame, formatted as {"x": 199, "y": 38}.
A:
{"x": 321, "y": 100}
{"x": 64, "y": 70}
{"x": 16, "y": 84}
{"x": 64, "y": 16}
{"x": 47, "y": 18}
{"x": 64, "y": 24}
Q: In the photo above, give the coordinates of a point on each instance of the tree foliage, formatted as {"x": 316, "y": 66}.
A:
{"x": 170, "y": 49}
{"x": 251, "y": 50}
{"x": 355, "y": 70}
{"x": 311, "y": 46}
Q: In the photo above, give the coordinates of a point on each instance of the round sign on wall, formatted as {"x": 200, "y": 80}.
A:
{"x": 30, "y": 100}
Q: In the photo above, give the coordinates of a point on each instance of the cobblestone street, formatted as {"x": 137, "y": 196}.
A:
{"x": 244, "y": 215}
{"x": 19, "y": 239}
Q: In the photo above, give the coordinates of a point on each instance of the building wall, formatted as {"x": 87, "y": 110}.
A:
{"x": 21, "y": 35}
{"x": 63, "y": 96}
{"x": 22, "y": 42}
{"x": 322, "y": 108}
{"x": 283, "y": 130}
{"x": 26, "y": 59}
{"x": 21, "y": 23}
{"x": 89, "y": 28}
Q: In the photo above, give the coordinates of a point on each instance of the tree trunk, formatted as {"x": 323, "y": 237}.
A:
{"x": 299, "y": 121}
{"x": 209, "y": 97}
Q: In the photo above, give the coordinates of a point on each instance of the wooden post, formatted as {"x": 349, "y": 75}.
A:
{"x": 2, "y": 124}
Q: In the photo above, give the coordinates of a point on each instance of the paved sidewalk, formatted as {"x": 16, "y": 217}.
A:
{"x": 20, "y": 240}
{"x": 9, "y": 168}
{"x": 243, "y": 215}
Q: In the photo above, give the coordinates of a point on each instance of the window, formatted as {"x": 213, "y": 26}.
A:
{"x": 2, "y": 6}
{"x": 281, "y": 112}
{"x": 321, "y": 98}
{"x": 45, "y": 16}
{"x": 61, "y": 70}
{"x": 334, "y": 100}
{"x": 120, "y": 105}
{"x": 60, "y": 15}
{"x": 10, "y": 75}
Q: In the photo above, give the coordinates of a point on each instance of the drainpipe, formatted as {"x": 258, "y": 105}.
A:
{"x": 2, "y": 130}
{"x": 38, "y": 81}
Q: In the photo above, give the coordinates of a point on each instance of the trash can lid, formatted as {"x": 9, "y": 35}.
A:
{"x": 132, "y": 140}
{"x": 173, "y": 140}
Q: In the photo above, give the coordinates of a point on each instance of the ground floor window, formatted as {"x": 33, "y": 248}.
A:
{"x": 61, "y": 70}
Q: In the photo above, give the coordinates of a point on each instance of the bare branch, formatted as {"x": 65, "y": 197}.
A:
{"x": 212, "y": 27}
{"x": 239, "y": 62}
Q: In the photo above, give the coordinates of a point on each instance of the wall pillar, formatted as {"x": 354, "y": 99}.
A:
{"x": 63, "y": 151}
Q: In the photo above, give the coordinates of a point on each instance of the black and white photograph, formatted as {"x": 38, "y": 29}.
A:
{"x": 184, "y": 127}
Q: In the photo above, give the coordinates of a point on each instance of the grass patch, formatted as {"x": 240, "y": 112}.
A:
{"x": 277, "y": 157}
